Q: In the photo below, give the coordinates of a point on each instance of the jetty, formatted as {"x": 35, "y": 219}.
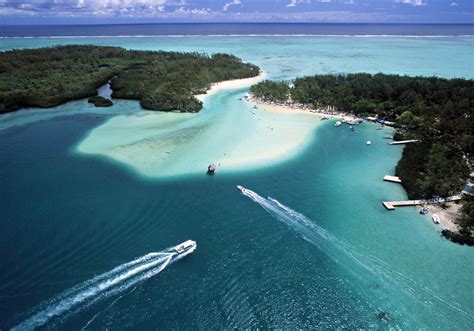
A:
{"x": 390, "y": 205}
{"x": 402, "y": 142}
{"x": 393, "y": 179}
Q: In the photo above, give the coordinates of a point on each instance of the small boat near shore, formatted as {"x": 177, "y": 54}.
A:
{"x": 435, "y": 219}
{"x": 424, "y": 211}
{"x": 338, "y": 123}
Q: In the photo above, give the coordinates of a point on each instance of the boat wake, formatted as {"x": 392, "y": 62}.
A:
{"x": 101, "y": 287}
{"x": 377, "y": 274}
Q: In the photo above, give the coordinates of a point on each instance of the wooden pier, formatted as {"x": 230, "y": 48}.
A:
{"x": 393, "y": 179}
{"x": 402, "y": 142}
{"x": 390, "y": 205}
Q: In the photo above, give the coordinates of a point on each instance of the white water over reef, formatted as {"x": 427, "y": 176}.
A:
{"x": 228, "y": 132}
{"x": 101, "y": 287}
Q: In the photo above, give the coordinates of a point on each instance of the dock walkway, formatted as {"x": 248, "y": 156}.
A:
{"x": 402, "y": 142}
{"x": 390, "y": 205}
{"x": 393, "y": 179}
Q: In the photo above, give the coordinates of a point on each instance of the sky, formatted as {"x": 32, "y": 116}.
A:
{"x": 160, "y": 11}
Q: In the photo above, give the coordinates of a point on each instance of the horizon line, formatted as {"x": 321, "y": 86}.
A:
{"x": 256, "y": 22}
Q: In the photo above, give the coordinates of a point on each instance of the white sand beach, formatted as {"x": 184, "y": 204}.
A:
{"x": 300, "y": 109}
{"x": 231, "y": 85}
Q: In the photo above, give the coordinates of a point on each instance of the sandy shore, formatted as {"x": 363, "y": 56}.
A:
{"x": 447, "y": 216}
{"x": 231, "y": 84}
{"x": 300, "y": 109}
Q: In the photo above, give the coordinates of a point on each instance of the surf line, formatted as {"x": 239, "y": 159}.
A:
{"x": 106, "y": 285}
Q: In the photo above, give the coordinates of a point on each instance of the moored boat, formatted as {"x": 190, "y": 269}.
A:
{"x": 338, "y": 123}
{"x": 424, "y": 211}
{"x": 211, "y": 169}
{"x": 435, "y": 219}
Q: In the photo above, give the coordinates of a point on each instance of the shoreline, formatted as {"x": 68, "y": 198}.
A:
{"x": 447, "y": 216}
{"x": 291, "y": 109}
{"x": 230, "y": 85}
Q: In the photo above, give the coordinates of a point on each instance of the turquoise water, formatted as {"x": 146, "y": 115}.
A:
{"x": 333, "y": 258}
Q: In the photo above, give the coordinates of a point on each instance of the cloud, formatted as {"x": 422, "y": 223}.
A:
{"x": 295, "y": 3}
{"x": 181, "y": 11}
{"x": 413, "y": 2}
{"x": 87, "y": 7}
{"x": 454, "y": 4}
{"x": 233, "y": 3}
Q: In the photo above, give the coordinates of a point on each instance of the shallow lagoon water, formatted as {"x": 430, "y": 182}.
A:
{"x": 228, "y": 132}
{"x": 69, "y": 216}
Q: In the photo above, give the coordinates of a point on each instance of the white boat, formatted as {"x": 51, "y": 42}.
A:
{"x": 242, "y": 189}
{"x": 435, "y": 219}
{"x": 369, "y": 142}
{"x": 338, "y": 123}
{"x": 186, "y": 246}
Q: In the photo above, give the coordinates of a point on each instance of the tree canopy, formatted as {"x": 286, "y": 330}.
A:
{"x": 47, "y": 77}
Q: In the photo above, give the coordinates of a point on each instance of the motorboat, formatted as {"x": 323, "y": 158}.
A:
{"x": 435, "y": 219}
{"x": 185, "y": 247}
{"x": 241, "y": 188}
{"x": 424, "y": 211}
{"x": 338, "y": 123}
{"x": 369, "y": 142}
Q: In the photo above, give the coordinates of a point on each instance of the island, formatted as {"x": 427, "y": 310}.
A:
{"x": 164, "y": 81}
{"x": 437, "y": 113}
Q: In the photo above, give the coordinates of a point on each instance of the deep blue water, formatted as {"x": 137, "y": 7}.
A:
{"x": 238, "y": 29}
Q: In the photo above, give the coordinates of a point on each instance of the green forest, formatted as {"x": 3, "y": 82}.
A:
{"x": 47, "y": 77}
{"x": 439, "y": 112}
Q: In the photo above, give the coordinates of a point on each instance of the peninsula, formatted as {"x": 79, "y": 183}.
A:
{"x": 165, "y": 81}
{"x": 436, "y": 112}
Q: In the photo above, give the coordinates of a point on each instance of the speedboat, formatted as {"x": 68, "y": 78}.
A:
{"x": 369, "y": 142}
{"x": 241, "y": 188}
{"x": 186, "y": 246}
{"x": 338, "y": 123}
{"x": 435, "y": 219}
{"x": 423, "y": 211}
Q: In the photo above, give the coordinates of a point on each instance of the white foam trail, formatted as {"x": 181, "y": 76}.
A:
{"x": 345, "y": 254}
{"x": 103, "y": 286}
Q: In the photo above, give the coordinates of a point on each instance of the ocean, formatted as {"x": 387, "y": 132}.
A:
{"x": 93, "y": 201}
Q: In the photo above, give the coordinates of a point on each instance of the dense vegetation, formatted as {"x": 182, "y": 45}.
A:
{"x": 99, "y": 101}
{"x": 439, "y": 112}
{"x": 47, "y": 77}
{"x": 271, "y": 90}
